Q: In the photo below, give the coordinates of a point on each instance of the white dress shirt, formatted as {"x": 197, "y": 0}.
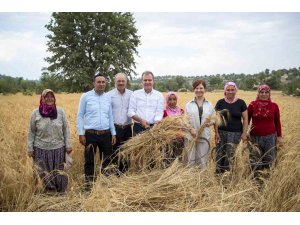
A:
{"x": 120, "y": 105}
{"x": 148, "y": 106}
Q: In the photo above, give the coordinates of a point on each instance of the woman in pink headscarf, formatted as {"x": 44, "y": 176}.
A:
{"x": 171, "y": 105}
{"x": 265, "y": 129}
{"x": 178, "y": 144}
{"x": 233, "y": 130}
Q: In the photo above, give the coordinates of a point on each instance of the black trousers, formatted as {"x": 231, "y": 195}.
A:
{"x": 122, "y": 136}
{"x": 103, "y": 142}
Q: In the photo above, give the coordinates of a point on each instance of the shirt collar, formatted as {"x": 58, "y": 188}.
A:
{"x": 195, "y": 100}
{"x": 149, "y": 92}
{"x": 95, "y": 93}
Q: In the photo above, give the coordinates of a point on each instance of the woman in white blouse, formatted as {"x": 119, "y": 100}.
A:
{"x": 199, "y": 109}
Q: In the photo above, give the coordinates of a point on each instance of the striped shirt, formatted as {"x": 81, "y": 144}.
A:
{"x": 120, "y": 105}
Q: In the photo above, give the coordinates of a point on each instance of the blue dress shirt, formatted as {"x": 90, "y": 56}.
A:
{"x": 95, "y": 112}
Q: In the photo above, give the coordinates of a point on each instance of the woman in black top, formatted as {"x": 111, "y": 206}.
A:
{"x": 229, "y": 134}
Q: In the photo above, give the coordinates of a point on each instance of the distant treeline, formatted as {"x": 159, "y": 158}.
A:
{"x": 286, "y": 80}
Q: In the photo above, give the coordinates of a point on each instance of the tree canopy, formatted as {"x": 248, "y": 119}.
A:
{"x": 84, "y": 43}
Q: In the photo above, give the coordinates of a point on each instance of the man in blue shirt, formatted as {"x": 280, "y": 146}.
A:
{"x": 96, "y": 126}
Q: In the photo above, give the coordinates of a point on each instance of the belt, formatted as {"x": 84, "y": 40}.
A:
{"x": 122, "y": 126}
{"x": 98, "y": 132}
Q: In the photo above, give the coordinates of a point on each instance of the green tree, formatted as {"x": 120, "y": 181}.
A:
{"x": 215, "y": 82}
{"x": 83, "y": 43}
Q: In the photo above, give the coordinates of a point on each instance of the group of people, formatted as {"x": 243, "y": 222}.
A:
{"x": 106, "y": 120}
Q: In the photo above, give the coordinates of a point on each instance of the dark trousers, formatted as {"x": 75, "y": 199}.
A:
{"x": 103, "y": 142}
{"x": 138, "y": 128}
{"x": 225, "y": 150}
{"x": 263, "y": 153}
{"x": 122, "y": 136}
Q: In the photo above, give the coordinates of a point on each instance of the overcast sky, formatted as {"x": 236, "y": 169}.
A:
{"x": 172, "y": 43}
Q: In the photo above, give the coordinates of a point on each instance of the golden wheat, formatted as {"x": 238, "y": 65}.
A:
{"x": 176, "y": 188}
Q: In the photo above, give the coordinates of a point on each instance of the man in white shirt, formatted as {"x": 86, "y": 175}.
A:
{"x": 146, "y": 105}
{"x": 120, "y": 97}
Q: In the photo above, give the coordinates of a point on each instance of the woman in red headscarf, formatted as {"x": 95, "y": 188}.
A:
{"x": 265, "y": 129}
{"x": 49, "y": 140}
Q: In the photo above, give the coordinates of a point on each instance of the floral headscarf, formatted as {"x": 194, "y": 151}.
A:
{"x": 264, "y": 87}
{"x": 47, "y": 110}
{"x": 262, "y": 108}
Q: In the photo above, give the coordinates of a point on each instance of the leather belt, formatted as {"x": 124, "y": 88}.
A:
{"x": 122, "y": 126}
{"x": 98, "y": 132}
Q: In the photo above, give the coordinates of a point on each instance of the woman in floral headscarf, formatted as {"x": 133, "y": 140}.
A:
{"x": 233, "y": 130}
{"x": 48, "y": 140}
{"x": 265, "y": 129}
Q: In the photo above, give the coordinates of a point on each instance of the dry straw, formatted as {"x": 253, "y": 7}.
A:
{"x": 174, "y": 188}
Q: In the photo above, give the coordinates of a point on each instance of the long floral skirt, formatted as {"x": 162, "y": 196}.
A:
{"x": 50, "y": 165}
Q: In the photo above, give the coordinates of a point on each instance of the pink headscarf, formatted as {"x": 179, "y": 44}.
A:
{"x": 172, "y": 111}
{"x": 235, "y": 87}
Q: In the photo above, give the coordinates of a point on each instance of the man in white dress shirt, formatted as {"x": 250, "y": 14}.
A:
{"x": 120, "y": 97}
{"x": 146, "y": 105}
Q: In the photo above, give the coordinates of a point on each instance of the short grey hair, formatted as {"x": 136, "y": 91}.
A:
{"x": 123, "y": 74}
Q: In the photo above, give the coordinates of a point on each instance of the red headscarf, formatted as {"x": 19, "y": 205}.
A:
{"x": 47, "y": 110}
{"x": 261, "y": 108}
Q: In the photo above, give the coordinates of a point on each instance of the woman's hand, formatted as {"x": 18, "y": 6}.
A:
{"x": 217, "y": 138}
{"x": 244, "y": 136}
{"x": 193, "y": 132}
{"x": 208, "y": 124}
{"x": 279, "y": 141}
{"x": 69, "y": 150}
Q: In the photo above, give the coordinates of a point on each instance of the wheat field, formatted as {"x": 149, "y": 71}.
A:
{"x": 175, "y": 189}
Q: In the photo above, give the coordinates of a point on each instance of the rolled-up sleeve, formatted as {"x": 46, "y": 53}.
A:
{"x": 80, "y": 115}
{"x": 160, "y": 108}
{"x": 66, "y": 131}
{"x": 132, "y": 106}
{"x": 31, "y": 133}
{"x": 111, "y": 121}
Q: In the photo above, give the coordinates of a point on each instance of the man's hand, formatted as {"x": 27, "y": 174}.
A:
{"x": 82, "y": 140}
{"x": 144, "y": 124}
{"x": 113, "y": 140}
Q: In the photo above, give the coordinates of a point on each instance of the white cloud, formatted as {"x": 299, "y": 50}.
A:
{"x": 16, "y": 44}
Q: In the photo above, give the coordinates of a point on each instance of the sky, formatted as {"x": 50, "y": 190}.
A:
{"x": 172, "y": 43}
